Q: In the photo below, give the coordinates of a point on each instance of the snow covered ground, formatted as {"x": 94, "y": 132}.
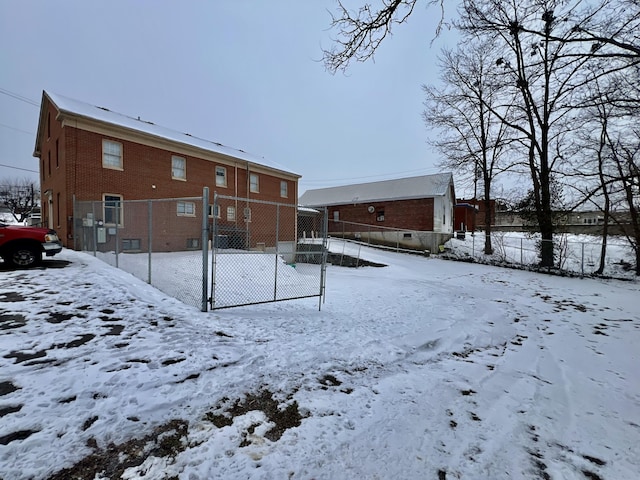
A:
{"x": 578, "y": 254}
{"x": 423, "y": 369}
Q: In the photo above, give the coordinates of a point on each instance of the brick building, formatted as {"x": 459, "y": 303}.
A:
{"x": 420, "y": 208}
{"x": 470, "y": 214}
{"x": 90, "y": 153}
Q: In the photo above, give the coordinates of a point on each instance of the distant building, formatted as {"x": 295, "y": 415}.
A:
{"x": 414, "y": 212}
{"x": 90, "y": 153}
{"x": 470, "y": 214}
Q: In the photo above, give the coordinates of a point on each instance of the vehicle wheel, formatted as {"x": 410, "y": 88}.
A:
{"x": 24, "y": 257}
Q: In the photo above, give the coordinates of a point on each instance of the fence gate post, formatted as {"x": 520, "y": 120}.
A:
{"x": 150, "y": 239}
{"x": 75, "y": 224}
{"x": 94, "y": 223}
{"x": 275, "y": 277}
{"x": 205, "y": 247}
{"x": 582, "y": 261}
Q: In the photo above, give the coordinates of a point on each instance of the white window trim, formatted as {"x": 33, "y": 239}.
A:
{"x": 211, "y": 211}
{"x": 113, "y": 167}
{"x": 257, "y": 187}
{"x": 174, "y": 177}
{"x": 283, "y": 183}
{"x": 185, "y": 214}
{"x": 222, "y": 169}
{"x": 120, "y": 208}
{"x": 231, "y": 214}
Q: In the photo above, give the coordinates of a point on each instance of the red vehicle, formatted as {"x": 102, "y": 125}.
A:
{"x": 22, "y": 247}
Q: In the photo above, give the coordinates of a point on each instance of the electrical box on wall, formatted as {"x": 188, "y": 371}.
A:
{"x": 101, "y": 233}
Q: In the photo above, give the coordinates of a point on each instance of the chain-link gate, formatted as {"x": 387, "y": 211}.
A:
{"x": 163, "y": 242}
{"x": 266, "y": 252}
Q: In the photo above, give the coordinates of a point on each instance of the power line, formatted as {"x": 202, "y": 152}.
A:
{"x": 303, "y": 180}
{"x": 16, "y": 129}
{"x": 18, "y": 168}
{"x": 19, "y": 97}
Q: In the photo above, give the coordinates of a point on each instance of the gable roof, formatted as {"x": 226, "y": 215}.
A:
{"x": 69, "y": 107}
{"x": 399, "y": 189}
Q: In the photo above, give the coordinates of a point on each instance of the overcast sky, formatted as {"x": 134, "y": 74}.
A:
{"x": 245, "y": 73}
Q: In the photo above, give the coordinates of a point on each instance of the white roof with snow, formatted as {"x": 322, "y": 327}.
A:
{"x": 82, "y": 109}
{"x": 399, "y": 189}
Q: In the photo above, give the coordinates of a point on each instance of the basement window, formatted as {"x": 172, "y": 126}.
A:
{"x": 406, "y": 235}
{"x": 186, "y": 209}
{"x": 131, "y": 244}
{"x": 193, "y": 243}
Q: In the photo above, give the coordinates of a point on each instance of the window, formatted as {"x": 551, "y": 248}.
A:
{"x": 254, "y": 183}
{"x": 193, "y": 243}
{"x": 178, "y": 168}
{"x": 231, "y": 214}
{"x": 247, "y": 214}
{"x": 48, "y": 125}
{"x": 380, "y": 216}
{"x": 111, "y": 154}
{"x": 284, "y": 189}
{"x": 406, "y": 235}
{"x": 131, "y": 244}
{"x": 336, "y": 215}
{"x": 57, "y": 153}
{"x": 186, "y": 209}
{"x": 214, "y": 211}
{"x": 112, "y": 209}
{"x": 221, "y": 177}
{"x": 49, "y": 160}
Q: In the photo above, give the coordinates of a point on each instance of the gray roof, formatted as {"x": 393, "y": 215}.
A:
{"x": 86, "y": 110}
{"x": 425, "y": 186}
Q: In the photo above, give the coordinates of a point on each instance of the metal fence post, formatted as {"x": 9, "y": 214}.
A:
{"x": 323, "y": 265}
{"x": 75, "y": 224}
{"x": 275, "y": 277}
{"x": 521, "y": 261}
{"x": 150, "y": 239}
{"x": 582, "y": 261}
{"x": 397, "y": 241}
{"x": 205, "y": 247}
{"x": 95, "y": 226}
{"x": 214, "y": 251}
{"x": 117, "y": 234}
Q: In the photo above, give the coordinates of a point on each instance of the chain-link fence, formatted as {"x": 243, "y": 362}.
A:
{"x": 265, "y": 252}
{"x": 163, "y": 242}
{"x": 393, "y": 238}
{"x": 572, "y": 254}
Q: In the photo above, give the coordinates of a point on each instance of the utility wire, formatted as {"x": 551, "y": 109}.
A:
{"x": 16, "y": 129}
{"x": 303, "y": 180}
{"x": 18, "y": 168}
{"x": 19, "y": 97}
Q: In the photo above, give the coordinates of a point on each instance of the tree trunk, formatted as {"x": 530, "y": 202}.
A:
{"x": 605, "y": 232}
{"x": 488, "y": 248}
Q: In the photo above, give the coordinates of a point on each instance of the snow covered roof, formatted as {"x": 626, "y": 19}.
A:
{"x": 399, "y": 189}
{"x": 66, "y": 105}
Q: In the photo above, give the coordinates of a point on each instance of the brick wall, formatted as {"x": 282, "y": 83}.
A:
{"x": 77, "y": 170}
{"x": 416, "y": 214}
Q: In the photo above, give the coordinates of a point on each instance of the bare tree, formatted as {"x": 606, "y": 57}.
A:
{"x": 21, "y": 197}
{"x": 361, "y": 32}
{"x": 608, "y": 177}
{"x": 471, "y": 138}
{"x": 546, "y": 73}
